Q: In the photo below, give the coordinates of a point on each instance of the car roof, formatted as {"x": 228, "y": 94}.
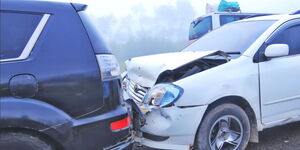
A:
{"x": 40, "y": 3}
{"x": 231, "y": 14}
{"x": 238, "y": 13}
{"x": 284, "y": 17}
{"x": 34, "y": 5}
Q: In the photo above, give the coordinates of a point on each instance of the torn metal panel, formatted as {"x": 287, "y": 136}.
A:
{"x": 189, "y": 69}
{"x": 145, "y": 70}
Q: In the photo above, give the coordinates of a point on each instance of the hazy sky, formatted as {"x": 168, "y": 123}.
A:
{"x": 122, "y": 8}
{"x": 141, "y": 27}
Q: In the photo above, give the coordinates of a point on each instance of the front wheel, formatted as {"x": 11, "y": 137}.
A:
{"x": 225, "y": 127}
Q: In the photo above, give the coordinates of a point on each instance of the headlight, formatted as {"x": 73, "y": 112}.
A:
{"x": 163, "y": 95}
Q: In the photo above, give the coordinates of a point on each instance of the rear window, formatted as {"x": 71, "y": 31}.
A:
{"x": 94, "y": 33}
{"x": 15, "y": 32}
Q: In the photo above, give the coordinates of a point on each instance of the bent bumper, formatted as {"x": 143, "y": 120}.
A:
{"x": 174, "y": 122}
{"x": 126, "y": 144}
{"x": 170, "y": 128}
{"x": 161, "y": 145}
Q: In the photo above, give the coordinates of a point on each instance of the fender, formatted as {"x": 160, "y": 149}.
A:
{"x": 35, "y": 115}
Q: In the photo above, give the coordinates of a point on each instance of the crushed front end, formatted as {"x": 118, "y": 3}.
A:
{"x": 152, "y": 91}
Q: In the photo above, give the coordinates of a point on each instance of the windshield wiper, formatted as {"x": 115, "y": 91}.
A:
{"x": 226, "y": 55}
{"x": 233, "y": 53}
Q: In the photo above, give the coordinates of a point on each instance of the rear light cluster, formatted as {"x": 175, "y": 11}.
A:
{"x": 121, "y": 124}
{"x": 109, "y": 66}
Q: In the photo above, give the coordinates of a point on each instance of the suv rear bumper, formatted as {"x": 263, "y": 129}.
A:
{"x": 94, "y": 133}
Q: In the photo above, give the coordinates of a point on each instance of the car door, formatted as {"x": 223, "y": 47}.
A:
{"x": 279, "y": 78}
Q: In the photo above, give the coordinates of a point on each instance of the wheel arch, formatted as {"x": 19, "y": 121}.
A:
{"x": 243, "y": 103}
{"x": 23, "y": 114}
{"x": 44, "y": 137}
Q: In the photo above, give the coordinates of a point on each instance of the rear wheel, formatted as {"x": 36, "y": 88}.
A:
{"x": 225, "y": 127}
{"x": 21, "y": 141}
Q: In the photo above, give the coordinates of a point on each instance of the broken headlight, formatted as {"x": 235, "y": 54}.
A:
{"x": 163, "y": 95}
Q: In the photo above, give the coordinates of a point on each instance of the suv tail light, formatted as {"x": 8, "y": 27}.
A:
{"x": 109, "y": 66}
{"x": 121, "y": 124}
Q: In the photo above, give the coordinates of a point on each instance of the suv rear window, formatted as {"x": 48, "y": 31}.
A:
{"x": 94, "y": 33}
{"x": 15, "y": 32}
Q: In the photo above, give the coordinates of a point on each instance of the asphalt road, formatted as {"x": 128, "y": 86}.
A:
{"x": 285, "y": 137}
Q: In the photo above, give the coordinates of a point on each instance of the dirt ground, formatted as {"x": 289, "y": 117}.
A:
{"x": 285, "y": 137}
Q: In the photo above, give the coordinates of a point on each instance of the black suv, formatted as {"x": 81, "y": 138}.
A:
{"x": 59, "y": 84}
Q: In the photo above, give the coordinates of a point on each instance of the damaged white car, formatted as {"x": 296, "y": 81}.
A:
{"x": 218, "y": 92}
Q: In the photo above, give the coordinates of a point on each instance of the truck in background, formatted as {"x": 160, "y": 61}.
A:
{"x": 211, "y": 21}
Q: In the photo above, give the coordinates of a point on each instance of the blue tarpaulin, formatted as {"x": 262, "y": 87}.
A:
{"x": 225, "y": 6}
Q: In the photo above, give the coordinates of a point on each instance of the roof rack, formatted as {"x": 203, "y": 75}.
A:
{"x": 258, "y": 15}
{"x": 295, "y": 13}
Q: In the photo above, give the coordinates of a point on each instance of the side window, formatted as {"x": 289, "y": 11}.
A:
{"x": 224, "y": 19}
{"x": 291, "y": 37}
{"x": 15, "y": 32}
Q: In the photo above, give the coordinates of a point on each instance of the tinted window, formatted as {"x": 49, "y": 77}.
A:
{"x": 200, "y": 27}
{"x": 291, "y": 37}
{"x": 224, "y": 19}
{"x": 234, "y": 37}
{"x": 15, "y": 32}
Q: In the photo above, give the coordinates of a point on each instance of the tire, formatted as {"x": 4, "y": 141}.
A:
{"x": 21, "y": 141}
{"x": 225, "y": 127}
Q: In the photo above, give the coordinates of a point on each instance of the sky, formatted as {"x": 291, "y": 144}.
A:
{"x": 141, "y": 27}
{"x": 122, "y": 8}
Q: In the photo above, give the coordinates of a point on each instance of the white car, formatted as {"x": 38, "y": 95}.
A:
{"x": 220, "y": 91}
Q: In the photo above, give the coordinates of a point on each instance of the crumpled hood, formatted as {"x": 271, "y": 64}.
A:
{"x": 146, "y": 69}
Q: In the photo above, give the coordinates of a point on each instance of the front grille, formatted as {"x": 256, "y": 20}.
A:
{"x": 136, "y": 91}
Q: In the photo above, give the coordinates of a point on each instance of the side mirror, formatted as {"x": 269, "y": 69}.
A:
{"x": 277, "y": 50}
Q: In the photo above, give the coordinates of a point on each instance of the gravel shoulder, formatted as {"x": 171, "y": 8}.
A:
{"x": 285, "y": 137}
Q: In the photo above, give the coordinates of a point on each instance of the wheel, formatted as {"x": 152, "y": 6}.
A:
{"x": 21, "y": 141}
{"x": 225, "y": 127}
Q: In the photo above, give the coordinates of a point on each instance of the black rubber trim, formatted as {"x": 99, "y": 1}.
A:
{"x": 155, "y": 137}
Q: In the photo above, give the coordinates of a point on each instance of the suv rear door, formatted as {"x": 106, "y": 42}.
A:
{"x": 61, "y": 61}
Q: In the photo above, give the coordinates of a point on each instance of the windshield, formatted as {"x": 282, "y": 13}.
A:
{"x": 233, "y": 37}
{"x": 200, "y": 27}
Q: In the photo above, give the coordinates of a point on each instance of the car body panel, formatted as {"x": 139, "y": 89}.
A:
{"x": 278, "y": 105}
{"x": 34, "y": 115}
{"x": 231, "y": 83}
